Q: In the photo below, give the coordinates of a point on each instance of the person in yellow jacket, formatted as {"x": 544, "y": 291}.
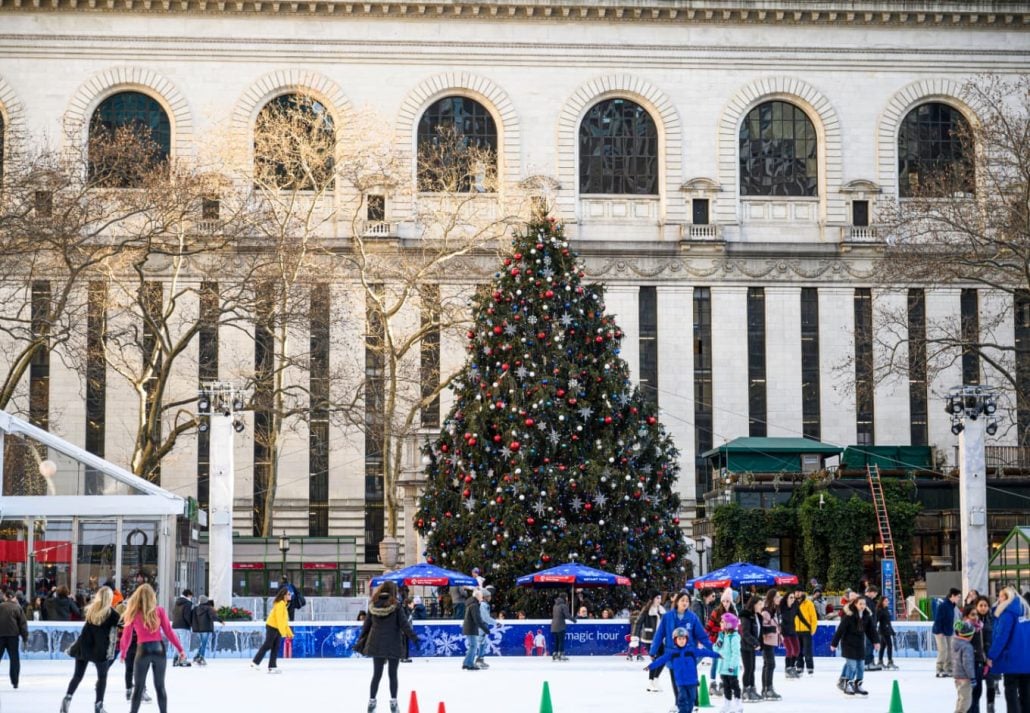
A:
{"x": 805, "y": 624}
{"x": 277, "y": 627}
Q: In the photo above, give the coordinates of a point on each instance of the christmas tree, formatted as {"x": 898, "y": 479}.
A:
{"x": 549, "y": 454}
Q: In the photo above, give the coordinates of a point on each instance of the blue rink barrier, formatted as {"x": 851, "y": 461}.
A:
{"x": 442, "y": 638}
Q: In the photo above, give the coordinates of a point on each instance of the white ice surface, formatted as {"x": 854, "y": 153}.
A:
{"x": 511, "y": 685}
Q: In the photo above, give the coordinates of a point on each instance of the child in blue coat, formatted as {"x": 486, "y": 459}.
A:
{"x": 682, "y": 661}
{"x": 728, "y": 646}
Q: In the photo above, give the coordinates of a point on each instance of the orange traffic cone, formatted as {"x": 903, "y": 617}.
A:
{"x": 413, "y": 705}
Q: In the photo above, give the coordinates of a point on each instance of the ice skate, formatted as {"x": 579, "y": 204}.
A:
{"x": 849, "y": 688}
{"x": 653, "y": 686}
{"x": 128, "y": 694}
{"x": 480, "y": 663}
{"x": 256, "y": 667}
{"x": 727, "y": 706}
{"x": 772, "y": 695}
{"x": 858, "y": 688}
{"x": 394, "y": 707}
{"x": 714, "y": 689}
{"x": 751, "y": 695}
{"x": 990, "y": 708}
{"x": 99, "y": 708}
{"x": 146, "y": 698}
{"x": 274, "y": 671}
{"x": 842, "y": 683}
{"x": 65, "y": 704}
{"x": 891, "y": 666}
{"x": 371, "y": 705}
{"x": 874, "y": 667}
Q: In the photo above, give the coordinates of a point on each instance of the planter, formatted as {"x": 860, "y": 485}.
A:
{"x": 389, "y": 552}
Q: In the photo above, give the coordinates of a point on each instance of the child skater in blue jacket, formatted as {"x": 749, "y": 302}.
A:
{"x": 682, "y": 661}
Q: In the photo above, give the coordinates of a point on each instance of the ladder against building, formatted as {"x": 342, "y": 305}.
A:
{"x": 883, "y": 523}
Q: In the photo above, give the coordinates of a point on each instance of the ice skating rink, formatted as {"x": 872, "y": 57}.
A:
{"x": 511, "y": 685}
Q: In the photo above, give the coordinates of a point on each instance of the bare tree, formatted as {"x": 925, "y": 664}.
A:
{"x": 966, "y": 224}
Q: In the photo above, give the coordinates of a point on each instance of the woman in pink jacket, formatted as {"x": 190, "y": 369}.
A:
{"x": 144, "y": 617}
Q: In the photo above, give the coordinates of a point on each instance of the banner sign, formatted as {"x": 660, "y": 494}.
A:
{"x": 887, "y": 581}
{"x": 49, "y": 640}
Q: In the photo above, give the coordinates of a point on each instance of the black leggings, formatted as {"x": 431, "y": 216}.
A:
{"x": 730, "y": 687}
{"x": 558, "y": 644}
{"x": 748, "y": 659}
{"x": 10, "y": 645}
{"x": 377, "y": 675}
{"x": 150, "y": 654}
{"x": 271, "y": 647}
{"x": 130, "y": 659}
{"x": 1017, "y": 692}
{"x": 886, "y": 646}
{"x": 768, "y": 666}
{"x": 80, "y": 671}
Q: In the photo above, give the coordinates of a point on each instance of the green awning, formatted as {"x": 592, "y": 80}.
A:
{"x": 768, "y": 455}
{"x": 888, "y": 457}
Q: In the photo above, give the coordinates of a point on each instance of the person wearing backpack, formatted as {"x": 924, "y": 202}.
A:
{"x": 96, "y": 644}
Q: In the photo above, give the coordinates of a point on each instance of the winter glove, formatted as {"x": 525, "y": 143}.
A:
{"x": 634, "y": 642}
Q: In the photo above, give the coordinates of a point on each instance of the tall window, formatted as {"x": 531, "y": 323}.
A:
{"x": 864, "y": 386}
{"x": 135, "y": 114}
{"x": 374, "y": 406}
{"x": 778, "y": 152}
{"x": 39, "y": 370}
{"x": 917, "y": 367}
{"x": 811, "y": 417}
{"x": 152, "y": 305}
{"x": 647, "y": 314}
{"x": 96, "y": 379}
{"x": 430, "y": 356}
{"x": 318, "y": 438}
{"x": 2, "y": 135}
{"x": 294, "y": 145}
{"x": 457, "y": 147}
{"x": 756, "y": 387}
{"x": 702, "y": 390}
{"x": 970, "y": 308}
{"x": 207, "y": 370}
{"x": 618, "y": 150}
{"x": 264, "y": 416}
{"x": 1022, "y": 344}
{"x": 933, "y": 158}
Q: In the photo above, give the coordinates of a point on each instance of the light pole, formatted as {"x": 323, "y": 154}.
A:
{"x": 284, "y": 547}
{"x": 972, "y": 410}
{"x": 219, "y": 414}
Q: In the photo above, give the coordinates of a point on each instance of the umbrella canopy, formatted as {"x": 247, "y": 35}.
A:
{"x": 742, "y": 574}
{"x": 572, "y": 575}
{"x": 426, "y": 575}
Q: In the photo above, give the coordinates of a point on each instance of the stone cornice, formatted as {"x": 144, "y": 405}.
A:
{"x": 956, "y": 14}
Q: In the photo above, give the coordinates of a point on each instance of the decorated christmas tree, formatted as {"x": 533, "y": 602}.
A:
{"x": 549, "y": 453}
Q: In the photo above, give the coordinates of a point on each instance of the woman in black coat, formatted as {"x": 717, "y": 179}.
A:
{"x": 750, "y": 645}
{"x": 885, "y": 630}
{"x": 381, "y": 639}
{"x": 981, "y": 645}
{"x": 95, "y": 644}
{"x": 856, "y": 625}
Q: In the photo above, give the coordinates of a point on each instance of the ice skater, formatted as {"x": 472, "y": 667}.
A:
{"x": 13, "y": 625}
{"x": 681, "y": 659}
{"x": 559, "y": 615}
{"x": 384, "y": 637}
{"x": 540, "y": 643}
{"x": 647, "y": 624}
{"x": 147, "y": 621}
{"x": 728, "y": 647}
{"x": 856, "y": 625}
{"x": 277, "y": 628}
{"x": 885, "y": 630}
{"x": 96, "y": 644}
{"x": 770, "y": 630}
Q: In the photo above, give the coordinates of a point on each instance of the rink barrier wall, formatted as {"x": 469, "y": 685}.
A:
{"x": 442, "y": 638}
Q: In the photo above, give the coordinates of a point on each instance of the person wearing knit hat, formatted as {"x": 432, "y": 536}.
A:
{"x": 728, "y": 646}
{"x": 963, "y": 668}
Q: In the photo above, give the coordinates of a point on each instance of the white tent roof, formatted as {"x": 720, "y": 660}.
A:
{"x": 124, "y": 493}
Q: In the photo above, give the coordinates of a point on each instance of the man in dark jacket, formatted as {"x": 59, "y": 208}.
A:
{"x": 204, "y": 618}
{"x": 559, "y": 615}
{"x": 12, "y": 625}
{"x": 473, "y": 627}
{"x": 182, "y": 622}
{"x": 943, "y": 629}
{"x": 703, "y": 604}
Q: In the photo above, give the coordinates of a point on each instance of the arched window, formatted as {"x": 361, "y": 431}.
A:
{"x": 932, "y": 152}
{"x": 457, "y": 147}
{"x": 618, "y": 150}
{"x": 129, "y": 134}
{"x": 778, "y": 152}
{"x": 294, "y": 145}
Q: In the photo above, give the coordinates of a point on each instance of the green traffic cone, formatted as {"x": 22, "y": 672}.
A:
{"x": 896, "y": 706}
{"x": 545, "y": 700}
{"x": 703, "y": 701}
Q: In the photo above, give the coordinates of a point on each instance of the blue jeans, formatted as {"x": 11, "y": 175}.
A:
{"x": 685, "y": 698}
{"x": 854, "y": 670}
{"x": 184, "y": 639}
{"x": 472, "y": 648}
{"x": 202, "y": 647}
{"x": 484, "y": 643}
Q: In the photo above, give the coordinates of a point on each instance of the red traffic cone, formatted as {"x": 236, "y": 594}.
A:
{"x": 441, "y": 709}
{"x": 413, "y": 705}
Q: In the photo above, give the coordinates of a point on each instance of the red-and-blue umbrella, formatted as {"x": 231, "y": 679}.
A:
{"x": 572, "y": 575}
{"x": 740, "y": 575}
{"x": 426, "y": 575}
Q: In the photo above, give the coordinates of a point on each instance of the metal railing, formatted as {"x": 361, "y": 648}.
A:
{"x": 1013, "y": 457}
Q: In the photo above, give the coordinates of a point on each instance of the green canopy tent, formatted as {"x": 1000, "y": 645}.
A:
{"x": 771, "y": 455}
{"x": 1010, "y": 563}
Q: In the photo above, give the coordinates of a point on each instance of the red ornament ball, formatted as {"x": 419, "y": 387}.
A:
{"x": 530, "y": 521}
{"x": 529, "y": 422}
{"x": 607, "y": 420}
{"x": 515, "y": 445}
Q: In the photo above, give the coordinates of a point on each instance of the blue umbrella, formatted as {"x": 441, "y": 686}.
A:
{"x": 742, "y": 574}
{"x": 426, "y": 575}
{"x": 572, "y": 575}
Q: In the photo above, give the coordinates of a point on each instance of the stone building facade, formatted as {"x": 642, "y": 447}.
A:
{"x": 739, "y": 304}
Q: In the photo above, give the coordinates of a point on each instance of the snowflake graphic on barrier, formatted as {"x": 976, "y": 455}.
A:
{"x": 493, "y": 641}
{"x": 440, "y": 642}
